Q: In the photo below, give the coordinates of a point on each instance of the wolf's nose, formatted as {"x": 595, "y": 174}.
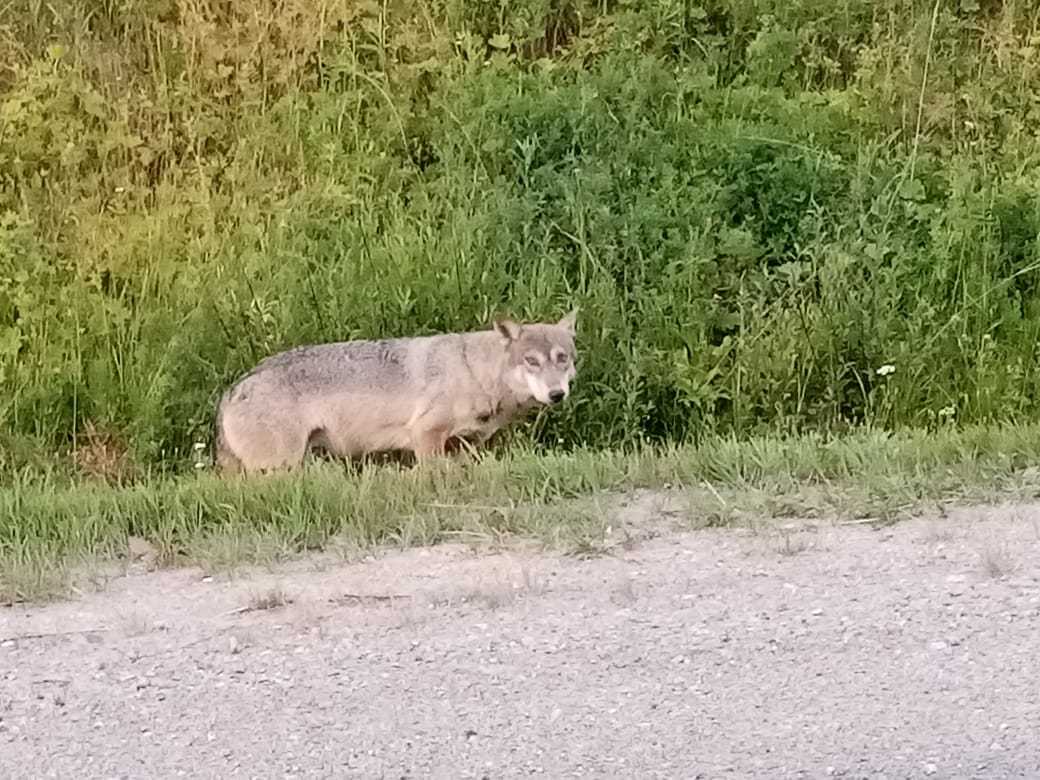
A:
{"x": 556, "y": 396}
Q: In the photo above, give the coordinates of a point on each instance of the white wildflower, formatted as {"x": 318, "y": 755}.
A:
{"x": 886, "y": 369}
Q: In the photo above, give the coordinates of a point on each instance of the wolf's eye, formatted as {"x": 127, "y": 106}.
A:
{"x": 532, "y": 361}
{"x": 563, "y": 358}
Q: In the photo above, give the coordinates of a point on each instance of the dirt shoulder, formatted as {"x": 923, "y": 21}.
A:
{"x": 907, "y": 651}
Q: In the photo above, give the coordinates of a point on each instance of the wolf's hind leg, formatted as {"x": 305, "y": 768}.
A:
{"x": 266, "y": 449}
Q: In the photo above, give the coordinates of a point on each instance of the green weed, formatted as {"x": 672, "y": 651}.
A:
{"x": 776, "y": 217}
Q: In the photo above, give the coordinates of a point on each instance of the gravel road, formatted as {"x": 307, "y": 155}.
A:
{"x": 832, "y": 651}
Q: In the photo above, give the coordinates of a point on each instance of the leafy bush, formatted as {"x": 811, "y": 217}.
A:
{"x": 758, "y": 206}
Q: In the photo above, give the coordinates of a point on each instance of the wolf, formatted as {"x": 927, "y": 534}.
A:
{"x": 356, "y": 398}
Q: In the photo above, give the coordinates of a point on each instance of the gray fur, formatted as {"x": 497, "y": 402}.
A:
{"x": 359, "y": 397}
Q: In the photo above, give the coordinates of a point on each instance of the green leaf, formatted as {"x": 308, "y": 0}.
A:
{"x": 93, "y": 104}
{"x": 911, "y": 189}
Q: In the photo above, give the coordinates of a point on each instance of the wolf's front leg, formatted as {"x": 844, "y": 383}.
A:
{"x": 430, "y": 444}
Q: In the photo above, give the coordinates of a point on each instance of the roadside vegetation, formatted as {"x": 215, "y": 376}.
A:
{"x": 786, "y": 224}
{"x": 56, "y": 534}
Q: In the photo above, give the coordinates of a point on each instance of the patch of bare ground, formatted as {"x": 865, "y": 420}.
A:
{"x": 783, "y": 647}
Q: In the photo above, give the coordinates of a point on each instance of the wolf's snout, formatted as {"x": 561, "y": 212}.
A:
{"x": 555, "y": 396}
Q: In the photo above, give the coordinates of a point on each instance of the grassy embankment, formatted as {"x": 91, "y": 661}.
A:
{"x": 757, "y": 205}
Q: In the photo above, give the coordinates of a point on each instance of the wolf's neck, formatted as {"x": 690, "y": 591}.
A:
{"x": 488, "y": 365}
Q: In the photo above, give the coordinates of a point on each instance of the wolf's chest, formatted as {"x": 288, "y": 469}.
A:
{"x": 481, "y": 418}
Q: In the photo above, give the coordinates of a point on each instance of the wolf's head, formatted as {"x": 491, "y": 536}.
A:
{"x": 541, "y": 357}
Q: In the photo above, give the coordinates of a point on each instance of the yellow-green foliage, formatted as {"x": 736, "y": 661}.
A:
{"x": 757, "y": 204}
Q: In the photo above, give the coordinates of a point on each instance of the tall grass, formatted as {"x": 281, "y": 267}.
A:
{"x": 792, "y": 216}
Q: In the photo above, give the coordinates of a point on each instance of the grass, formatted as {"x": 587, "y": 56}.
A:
{"x": 774, "y": 217}
{"x": 51, "y": 532}
{"x": 815, "y": 215}
{"x": 272, "y": 598}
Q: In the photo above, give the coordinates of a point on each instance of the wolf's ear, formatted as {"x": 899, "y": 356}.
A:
{"x": 570, "y": 320}
{"x": 508, "y": 329}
